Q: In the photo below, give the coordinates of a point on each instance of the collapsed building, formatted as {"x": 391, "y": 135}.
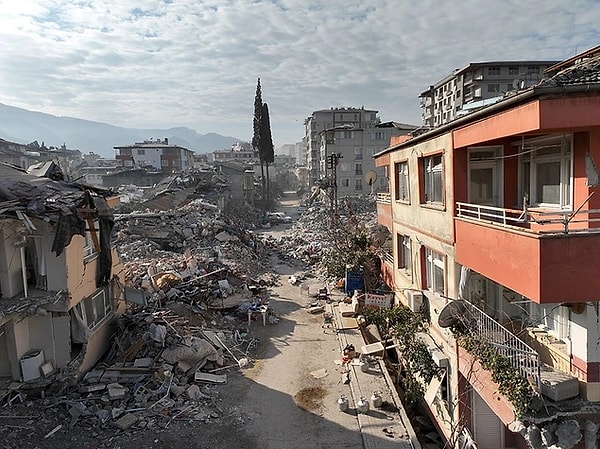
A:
{"x": 59, "y": 280}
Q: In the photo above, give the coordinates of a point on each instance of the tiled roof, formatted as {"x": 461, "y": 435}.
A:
{"x": 580, "y": 73}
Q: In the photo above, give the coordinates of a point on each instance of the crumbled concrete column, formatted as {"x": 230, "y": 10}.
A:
{"x": 591, "y": 435}
{"x": 568, "y": 433}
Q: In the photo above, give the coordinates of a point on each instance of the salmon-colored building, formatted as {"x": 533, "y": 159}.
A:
{"x": 495, "y": 225}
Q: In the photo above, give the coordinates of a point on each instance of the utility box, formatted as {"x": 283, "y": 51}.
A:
{"x": 31, "y": 363}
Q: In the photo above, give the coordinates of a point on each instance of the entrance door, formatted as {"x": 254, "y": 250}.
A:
{"x": 488, "y": 430}
{"x": 484, "y": 176}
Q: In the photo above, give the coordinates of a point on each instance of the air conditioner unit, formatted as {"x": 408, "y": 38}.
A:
{"x": 415, "y": 299}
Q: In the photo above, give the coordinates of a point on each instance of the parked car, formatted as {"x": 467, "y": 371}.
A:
{"x": 278, "y": 217}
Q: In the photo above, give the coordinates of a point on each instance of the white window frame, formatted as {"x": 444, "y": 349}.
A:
{"x": 434, "y": 262}
{"x": 401, "y": 192}
{"x": 404, "y": 253}
{"x": 89, "y": 250}
{"x": 358, "y": 184}
{"x": 95, "y": 308}
{"x": 432, "y": 169}
{"x": 533, "y": 157}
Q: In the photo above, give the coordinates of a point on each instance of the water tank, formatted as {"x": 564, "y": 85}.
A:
{"x": 30, "y": 364}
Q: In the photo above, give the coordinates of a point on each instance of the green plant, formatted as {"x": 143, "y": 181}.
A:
{"x": 510, "y": 382}
{"x": 404, "y": 324}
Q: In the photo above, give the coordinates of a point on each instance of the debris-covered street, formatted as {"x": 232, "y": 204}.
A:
{"x": 217, "y": 348}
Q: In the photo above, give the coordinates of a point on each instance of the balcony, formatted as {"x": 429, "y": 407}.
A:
{"x": 384, "y": 209}
{"x": 520, "y": 355}
{"x": 540, "y": 254}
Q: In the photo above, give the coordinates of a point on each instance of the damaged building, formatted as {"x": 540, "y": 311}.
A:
{"x": 59, "y": 275}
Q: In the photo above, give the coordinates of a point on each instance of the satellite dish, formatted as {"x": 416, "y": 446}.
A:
{"x": 451, "y": 313}
{"x": 370, "y": 177}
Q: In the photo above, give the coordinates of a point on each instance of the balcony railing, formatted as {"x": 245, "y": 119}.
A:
{"x": 543, "y": 222}
{"x": 384, "y": 197}
{"x": 386, "y": 256}
{"x": 521, "y": 356}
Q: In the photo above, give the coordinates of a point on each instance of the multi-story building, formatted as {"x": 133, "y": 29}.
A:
{"x": 60, "y": 278}
{"x": 495, "y": 236}
{"x": 352, "y": 136}
{"x": 156, "y": 154}
{"x": 240, "y": 152}
{"x": 477, "y": 85}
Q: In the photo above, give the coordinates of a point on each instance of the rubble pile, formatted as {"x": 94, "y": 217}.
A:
{"x": 184, "y": 253}
{"x": 312, "y": 232}
{"x": 162, "y": 367}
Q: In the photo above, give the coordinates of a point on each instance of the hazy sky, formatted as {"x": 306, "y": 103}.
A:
{"x": 194, "y": 63}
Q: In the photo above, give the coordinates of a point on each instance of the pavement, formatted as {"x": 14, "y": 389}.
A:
{"x": 390, "y": 420}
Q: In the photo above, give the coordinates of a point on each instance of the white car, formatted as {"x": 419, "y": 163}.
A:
{"x": 278, "y": 217}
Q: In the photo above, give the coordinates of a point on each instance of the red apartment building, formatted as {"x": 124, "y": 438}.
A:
{"x": 495, "y": 226}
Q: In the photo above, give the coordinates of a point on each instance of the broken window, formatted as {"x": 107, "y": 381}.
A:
{"x": 94, "y": 308}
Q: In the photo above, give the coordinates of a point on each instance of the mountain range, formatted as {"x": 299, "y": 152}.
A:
{"x": 23, "y": 126}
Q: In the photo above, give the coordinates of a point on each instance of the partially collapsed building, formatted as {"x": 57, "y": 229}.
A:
{"x": 59, "y": 275}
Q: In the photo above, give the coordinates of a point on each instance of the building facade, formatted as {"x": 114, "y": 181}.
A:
{"x": 477, "y": 85}
{"x": 155, "y": 154}
{"x": 494, "y": 232}
{"x": 350, "y": 136}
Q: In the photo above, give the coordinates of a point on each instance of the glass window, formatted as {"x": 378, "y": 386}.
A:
{"x": 493, "y": 70}
{"x": 401, "y": 175}
{"x": 404, "y": 254}
{"x": 358, "y": 153}
{"x": 433, "y": 179}
{"x": 89, "y": 248}
{"x": 513, "y": 70}
{"x": 358, "y": 184}
{"x": 546, "y": 172}
{"x": 435, "y": 271}
{"x": 358, "y": 171}
{"x": 94, "y": 308}
{"x": 493, "y": 87}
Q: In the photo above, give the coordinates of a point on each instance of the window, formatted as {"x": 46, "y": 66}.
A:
{"x": 513, "y": 70}
{"x": 533, "y": 69}
{"x": 345, "y": 182}
{"x": 435, "y": 271}
{"x": 358, "y": 153}
{"x": 401, "y": 175}
{"x": 358, "y": 171}
{"x": 404, "y": 258}
{"x": 493, "y": 87}
{"x": 94, "y": 308}
{"x": 141, "y": 152}
{"x": 89, "y": 248}
{"x": 378, "y": 135}
{"x": 433, "y": 179}
{"x": 546, "y": 171}
{"x": 493, "y": 70}
{"x": 358, "y": 184}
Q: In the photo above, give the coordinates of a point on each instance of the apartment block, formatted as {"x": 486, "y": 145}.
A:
{"x": 158, "y": 155}
{"x": 351, "y": 136}
{"x": 494, "y": 241}
{"x": 475, "y": 86}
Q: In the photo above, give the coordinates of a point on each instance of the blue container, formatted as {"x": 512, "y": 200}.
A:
{"x": 354, "y": 281}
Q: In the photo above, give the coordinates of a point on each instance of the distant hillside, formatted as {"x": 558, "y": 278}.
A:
{"x": 23, "y": 126}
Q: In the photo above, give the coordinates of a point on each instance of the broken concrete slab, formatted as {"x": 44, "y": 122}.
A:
{"x": 116, "y": 391}
{"x": 208, "y": 377}
{"x": 126, "y": 421}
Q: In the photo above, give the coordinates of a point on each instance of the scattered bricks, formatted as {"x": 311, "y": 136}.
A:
{"x": 116, "y": 391}
{"x": 126, "y": 421}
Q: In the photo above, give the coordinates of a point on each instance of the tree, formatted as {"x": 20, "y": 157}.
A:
{"x": 266, "y": 145}
{"x": 256, "y": 140}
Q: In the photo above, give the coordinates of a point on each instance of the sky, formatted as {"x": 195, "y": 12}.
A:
{"x": 195, "y": 63}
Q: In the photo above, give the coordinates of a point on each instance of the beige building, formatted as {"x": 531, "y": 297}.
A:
{"x": 158, "y": 155}
{"x": 60, "y": 278}
{"x": 477, "y": 85}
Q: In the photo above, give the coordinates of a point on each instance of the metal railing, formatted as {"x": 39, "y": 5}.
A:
{"x": 559, "y": 221}
{"x": 521, "y": 356}
{"x": 387, "y": 257}
{"x": 384, "y": 197}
